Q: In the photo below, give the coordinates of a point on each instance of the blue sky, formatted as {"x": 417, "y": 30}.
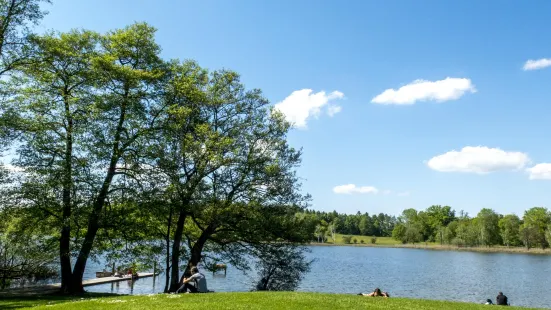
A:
{"x": 353, "y": 51}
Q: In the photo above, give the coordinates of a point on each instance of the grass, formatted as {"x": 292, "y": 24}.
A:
{"x": 235, "y": 301}
{"x": 382, "y": 241}
{"x": 389, "y": 242}
{"x": 19, "y": 302}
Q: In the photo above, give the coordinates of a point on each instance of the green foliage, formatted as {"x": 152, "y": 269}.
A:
{"x": 18, "y": 17}
{"x": 25, "y": 253}
{"x": 509, "y": 227}
{"x": 357, "y": 224}
{"x": 281, "y": 268}
{"x": 532, "y": 231}
{"x": 399, "y": 232}
{"x": 413, "y": 234}
{"x": 487, "y": 221}
{"x": 347, "y": 239}
{"x": 355, "y": 240}
{"x": 373, "y": 240}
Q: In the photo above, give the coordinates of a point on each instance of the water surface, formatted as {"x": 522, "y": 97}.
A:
{"x": 415, "y": 273}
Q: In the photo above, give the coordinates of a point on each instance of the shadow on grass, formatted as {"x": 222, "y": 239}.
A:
{"x": 19, "y": 302}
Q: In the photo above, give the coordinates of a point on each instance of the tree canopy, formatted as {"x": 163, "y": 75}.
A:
{"x": 120, "y": 150}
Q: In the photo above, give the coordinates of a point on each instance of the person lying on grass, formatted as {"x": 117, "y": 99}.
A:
{"x": 376, "y": 293}
{"x": 200, "y": 283}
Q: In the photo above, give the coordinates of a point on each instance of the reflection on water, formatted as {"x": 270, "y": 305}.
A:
{"x": 446, "y": 275}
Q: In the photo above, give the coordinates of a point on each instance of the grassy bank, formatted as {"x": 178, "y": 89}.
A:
{"x": 265, "y": 300}
{"x": 389, "y": 242}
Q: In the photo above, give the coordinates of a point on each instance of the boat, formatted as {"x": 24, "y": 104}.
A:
{"x": 103, "y": 274}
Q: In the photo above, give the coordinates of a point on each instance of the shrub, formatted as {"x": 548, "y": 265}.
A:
{"x": 347, "y": 239}
{"x": 362, "y": 241}
{"x": 355, "y": 240}
{"x": 373, "y": 240}
{"x": 281, "y": 268}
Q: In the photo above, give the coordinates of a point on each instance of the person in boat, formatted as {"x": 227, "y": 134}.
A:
{"x": 376, "y": 293}
{"x": 199, "y": 280}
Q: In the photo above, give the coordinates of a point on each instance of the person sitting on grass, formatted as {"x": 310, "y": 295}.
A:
{"x": 377, "y": 293}
{"x": 501, "y": 300}
{"x": 200, "y": 283}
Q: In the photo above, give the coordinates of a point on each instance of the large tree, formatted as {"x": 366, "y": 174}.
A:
{"x": 439, "y": 217}
{"x": 509, "y": 227}
{"x": 88, "y": 104}
{"x": 487, "y": 223}
{"x": 248, "y": 201}
{"x": 128, "y": 114}
{"x": 533, "y": 229}
{"x": 53, "y": 107}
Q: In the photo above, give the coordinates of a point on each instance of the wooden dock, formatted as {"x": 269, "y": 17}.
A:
{"x": 51, "y": 288}
{"x": 104, "y": 280}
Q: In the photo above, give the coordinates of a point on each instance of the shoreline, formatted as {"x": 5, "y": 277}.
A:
{"x": 497, "y": 249}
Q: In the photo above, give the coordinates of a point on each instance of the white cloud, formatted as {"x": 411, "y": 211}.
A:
{"x": 352, "y": 188}
{"x": 302, "y": 104}
{"x": 333, "y": 109}
{"x": 403, "y": 194}
{"x": 422, "y": 90}
{"x": 540, "y": 172}
{"x": 537, "y": 64}
{"x": 478, "y": 159}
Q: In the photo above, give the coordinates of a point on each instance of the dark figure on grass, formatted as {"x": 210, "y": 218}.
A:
{"x": 376, "y": 293}
{"x": 501, "y": 300}
{"x": 198, "y": 279}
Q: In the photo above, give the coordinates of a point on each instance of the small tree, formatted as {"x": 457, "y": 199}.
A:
{"x": 373, "y": 240}
{"x": 281, "y": 268}
{"x": 24, "y": 251}
{"x": 347, "y": 239}
{"x": 355, "y": 240}
{"x": 362, "y": 241}
{"x": 509, "y": 227}
{"x": 399, "y": 233}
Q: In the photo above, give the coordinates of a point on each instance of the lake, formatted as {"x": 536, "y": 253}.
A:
{"x": 415, "y": 273}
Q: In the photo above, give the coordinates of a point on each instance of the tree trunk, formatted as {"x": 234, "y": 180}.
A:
{"x": 175, "y": 270}
{"x": 65, "y": 237}
{"x": 93, "y": 227}
{"x": 167, "y": 242}
{"x": 93, "y": 220}
{"x": 197, "y": 249}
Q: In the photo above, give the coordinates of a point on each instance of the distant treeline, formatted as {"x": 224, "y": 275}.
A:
{"x": 324, "y": 225}
{"x": 441, "y": 224}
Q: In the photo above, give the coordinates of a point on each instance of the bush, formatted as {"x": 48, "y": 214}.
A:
{"x": 362, "y": 241}
{"x": 347, "y": 239}
{"x": 281, "y": 268}
{"x": 373, "y": 240}
{"x": 355, "y": 240}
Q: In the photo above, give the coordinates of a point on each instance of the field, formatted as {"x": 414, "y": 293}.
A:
{"x": 264, "y": 300}
{"x": 384, "y": 241}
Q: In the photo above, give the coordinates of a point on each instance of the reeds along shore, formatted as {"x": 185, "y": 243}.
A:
{"x": 494, "y": 249}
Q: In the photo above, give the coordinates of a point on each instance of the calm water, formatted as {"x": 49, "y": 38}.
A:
{"x": 460, "y": 276}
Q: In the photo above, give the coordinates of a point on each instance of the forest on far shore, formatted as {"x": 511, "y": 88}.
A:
{"x": 440, "y": 224}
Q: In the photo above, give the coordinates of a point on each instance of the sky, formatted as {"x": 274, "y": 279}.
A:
{"x": 395, "y": 104}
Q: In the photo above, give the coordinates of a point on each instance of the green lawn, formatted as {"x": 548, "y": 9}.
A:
{"x": 367, "y": 240}
{"x": 233, "y": 301}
